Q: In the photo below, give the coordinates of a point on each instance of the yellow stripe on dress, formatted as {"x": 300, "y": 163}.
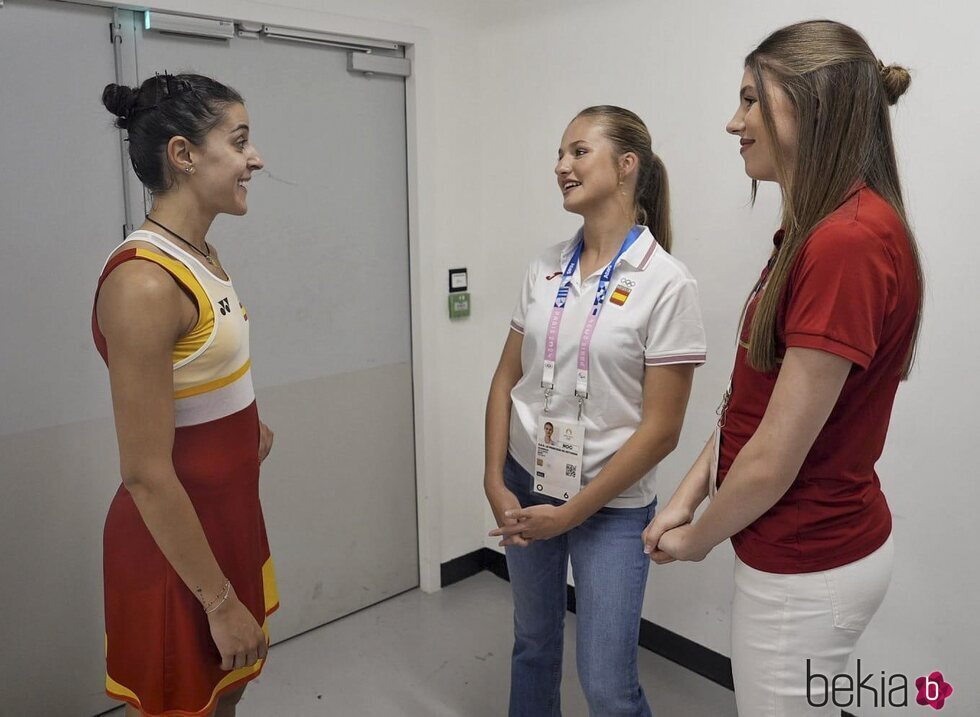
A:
{"x": 121, "y": 691}
{"x": 271, "y": 593}
{"x": 216, "y": 384}
{"x": 269, "y": 587}
{"x": 192, "y": 342}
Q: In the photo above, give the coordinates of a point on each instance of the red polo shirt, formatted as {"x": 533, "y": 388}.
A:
{"x": 852, "y": 292}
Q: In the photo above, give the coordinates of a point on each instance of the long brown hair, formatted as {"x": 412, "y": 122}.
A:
{"x": 628, "y": 133}
{"x": 840, "y": 93}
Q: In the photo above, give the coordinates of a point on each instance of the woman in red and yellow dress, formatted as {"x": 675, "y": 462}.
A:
{"x": 188, "y": 576}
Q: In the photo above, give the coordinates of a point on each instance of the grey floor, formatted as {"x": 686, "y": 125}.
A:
{"x": 442, "y": 655}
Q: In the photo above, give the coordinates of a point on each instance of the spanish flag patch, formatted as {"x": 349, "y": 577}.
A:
{"x": 619, "y": 296}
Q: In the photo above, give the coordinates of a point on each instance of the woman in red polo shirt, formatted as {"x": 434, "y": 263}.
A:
{"x": 826, "y": 336}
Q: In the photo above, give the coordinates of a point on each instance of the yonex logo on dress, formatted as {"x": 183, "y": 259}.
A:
{"x": 225, "y": 306}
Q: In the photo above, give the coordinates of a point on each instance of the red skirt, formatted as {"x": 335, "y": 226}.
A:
{"x": 160, "y": 657}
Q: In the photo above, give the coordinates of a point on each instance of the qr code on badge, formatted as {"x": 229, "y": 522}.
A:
{"x": 571, "y": 471}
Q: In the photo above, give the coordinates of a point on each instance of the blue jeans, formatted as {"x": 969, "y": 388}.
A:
{"x": 610, "y": 571}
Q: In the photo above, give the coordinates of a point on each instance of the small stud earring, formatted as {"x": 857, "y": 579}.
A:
{"x": 189, "y": 170}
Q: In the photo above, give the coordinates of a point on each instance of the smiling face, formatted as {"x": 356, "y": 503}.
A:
{"x": 587, "y": 171}
{"x": 757, "y": 147}
{"x": 226, "y": 162}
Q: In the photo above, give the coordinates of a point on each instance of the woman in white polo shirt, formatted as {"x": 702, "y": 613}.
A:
{"x": 602, "y": 347}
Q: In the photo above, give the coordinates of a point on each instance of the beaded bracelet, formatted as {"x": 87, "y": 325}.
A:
{"x": 220, "y": 599}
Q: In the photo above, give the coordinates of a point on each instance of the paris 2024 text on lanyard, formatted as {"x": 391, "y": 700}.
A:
{"x": 560, "y": 442}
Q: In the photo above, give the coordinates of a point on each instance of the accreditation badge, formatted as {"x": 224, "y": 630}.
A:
{"x": 558, "y": 459}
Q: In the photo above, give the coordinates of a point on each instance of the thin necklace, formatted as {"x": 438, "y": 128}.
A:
{"x": 206, "y": 255}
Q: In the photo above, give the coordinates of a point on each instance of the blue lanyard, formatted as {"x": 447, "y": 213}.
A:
{"x": 600, "y": 295}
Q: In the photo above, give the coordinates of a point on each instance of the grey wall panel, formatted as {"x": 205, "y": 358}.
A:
{"x": 339, "y": 494}
{"x": 60, "y": 209}
{"x": 57, "y": 484}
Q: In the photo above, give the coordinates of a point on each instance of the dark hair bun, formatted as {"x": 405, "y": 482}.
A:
{"x": 163, "y": 107}
{"x": 896, "y": 80}
{"x": 120, "y": 100}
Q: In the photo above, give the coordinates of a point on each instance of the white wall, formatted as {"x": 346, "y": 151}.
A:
{"x": 678, "y": 65}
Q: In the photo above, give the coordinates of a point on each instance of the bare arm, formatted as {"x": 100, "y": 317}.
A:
{"x": 666, "y": 390}
{"x": 665, "y": 393}
{"x": 809, "y": 383}
{"x": 140, "y": 345}
{"x": 682, "y": 505}
{"x": 694, "y": 488}
{"x": 506, "y": 376}
{"x": 508, "y": 373}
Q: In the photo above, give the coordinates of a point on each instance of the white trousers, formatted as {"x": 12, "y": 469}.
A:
{"x": 781, "y": 621}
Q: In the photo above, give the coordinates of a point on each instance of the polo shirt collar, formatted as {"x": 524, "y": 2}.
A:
{"x": 637, "y": 256}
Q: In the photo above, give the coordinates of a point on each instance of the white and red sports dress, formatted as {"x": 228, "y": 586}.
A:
{"x": 160, "y": 657}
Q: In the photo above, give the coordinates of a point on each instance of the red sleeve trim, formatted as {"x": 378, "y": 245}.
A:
{"x": 823, "y": 343}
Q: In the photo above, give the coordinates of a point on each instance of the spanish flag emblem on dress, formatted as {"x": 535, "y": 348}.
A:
{"x": 619, "y": 296}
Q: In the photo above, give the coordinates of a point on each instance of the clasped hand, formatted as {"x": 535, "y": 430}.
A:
{"x": 670, "y": 536}
{"x": 536, "y": 522}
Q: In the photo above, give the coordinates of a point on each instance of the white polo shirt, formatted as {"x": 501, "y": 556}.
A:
{"x": 651, "y": 317}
